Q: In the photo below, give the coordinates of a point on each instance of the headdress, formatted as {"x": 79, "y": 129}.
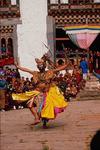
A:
{"x": 40, "y": 61}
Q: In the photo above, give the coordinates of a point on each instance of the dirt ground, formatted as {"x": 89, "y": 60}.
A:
{"x": 71, "y": 130}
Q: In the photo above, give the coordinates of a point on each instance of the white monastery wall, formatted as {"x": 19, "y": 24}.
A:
{"x": 32, "y": 32}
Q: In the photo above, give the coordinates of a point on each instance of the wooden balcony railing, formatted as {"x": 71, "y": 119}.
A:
{"x": 10, "y": 12}
{"x": 73, "y": 6}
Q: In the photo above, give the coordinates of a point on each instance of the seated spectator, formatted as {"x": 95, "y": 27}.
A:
{"x": 68, "y": 92}
{"x": 73, "y": 90}
{"x": 26, "y": 86}
{"x": 70, "y": 67}
{"x": 62, "y": 84}
{"x": 3, "y": 86}
{"x": 3, "y": 50}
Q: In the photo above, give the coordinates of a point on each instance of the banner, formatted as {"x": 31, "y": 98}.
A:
{"x": 82, "y": 36}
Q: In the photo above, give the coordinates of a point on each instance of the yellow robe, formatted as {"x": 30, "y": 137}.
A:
{"x": 25, "y": 96}
{"x": 53, "y": 104}
{"x": 54, "y": 100}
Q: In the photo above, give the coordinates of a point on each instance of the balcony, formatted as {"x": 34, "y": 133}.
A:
{"x": 10, "y": 12}
{"x": 62, "y": 6}
{"x": 74, "y": 14}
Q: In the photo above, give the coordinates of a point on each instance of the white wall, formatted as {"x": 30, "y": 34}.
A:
{"x": 13, "y": 2}
{"x": 32, "y": 32}
{"x": 97, "y": 1}
{"x": 64, "y": 1}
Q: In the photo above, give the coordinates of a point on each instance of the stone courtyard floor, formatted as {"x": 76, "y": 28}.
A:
{"x": 71, "y": 130}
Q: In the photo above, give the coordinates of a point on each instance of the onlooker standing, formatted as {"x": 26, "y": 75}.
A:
{"x": 84, "y": 67}
{"x": 3, "y": 84}
{"x": 3, "y": 49}
{"x": 98, "y": 56}
{"x": 94, "y": 60}
{"x": 90, "y": 61}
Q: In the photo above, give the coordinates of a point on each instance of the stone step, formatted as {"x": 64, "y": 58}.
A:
{"x": 93, "y": 77}
{"x": 96, "y": 90}
{"x": 89, "y": 94}
{"x": 95, "y": 96}
{"x": 91, "y": 89}
{"x": 95, "y": 82}
{"x": 90, "y": 83}
{"x": 88, "y": 98}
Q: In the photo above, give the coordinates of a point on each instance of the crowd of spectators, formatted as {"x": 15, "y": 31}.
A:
{"x": 6, "y": 55}
{"x": 94, "y": 61}
{"x": 6, "y": 51}
{"x": 69, "y": 82}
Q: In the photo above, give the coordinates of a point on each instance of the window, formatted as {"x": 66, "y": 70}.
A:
{"x": 3, "y": 47}
{"x": 4, "y": 3}
{"x": 80, "y": 1}
{"x": 73, "y": 1}
{"x": 10, "y": 47}
{"x": 3, "y": 42}
{"x": 13, "y": 2}
{"x": 96, "y": 1}
{"x": 54, "y": 1}
{"x": 85, "y": 1}
{"x": 64, "y": 1}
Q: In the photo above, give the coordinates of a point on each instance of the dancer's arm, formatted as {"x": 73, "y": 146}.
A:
{"x": 24, "y": 69}
{"x": 60, "y": 68}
